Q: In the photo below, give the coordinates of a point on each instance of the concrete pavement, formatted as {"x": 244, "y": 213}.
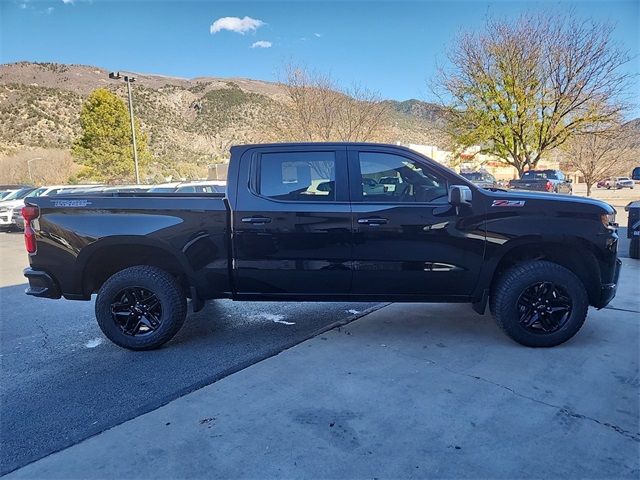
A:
{"x": 408, "y": 391}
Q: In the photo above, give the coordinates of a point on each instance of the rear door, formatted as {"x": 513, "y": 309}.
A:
{"x": 408, "y": 240}
{"x": 292, "y": 222}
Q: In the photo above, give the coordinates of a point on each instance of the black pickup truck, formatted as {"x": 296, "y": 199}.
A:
{"x": 553, "y": 181}
{"x": 308, "y": 222}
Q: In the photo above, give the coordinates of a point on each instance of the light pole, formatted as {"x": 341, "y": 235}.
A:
{"x": 29, "y": 167}
{"x": 128, "y": 80}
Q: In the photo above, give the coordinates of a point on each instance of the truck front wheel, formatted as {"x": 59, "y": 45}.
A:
{"x": 539, "y": 303}
{"x": 140, "y": 308}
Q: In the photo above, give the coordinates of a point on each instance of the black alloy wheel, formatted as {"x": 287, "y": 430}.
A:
{"x": 539, "y": 303}
{"x": 544, "y": 307}
{"x": 136, "y": 311}
{"x": 141, "y": 307}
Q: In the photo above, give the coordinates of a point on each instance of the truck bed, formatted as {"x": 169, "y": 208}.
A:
{"x": 77, "y": 234}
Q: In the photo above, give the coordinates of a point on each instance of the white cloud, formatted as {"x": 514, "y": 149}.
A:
{"x": 261, "y": 44}
{"x": 23, "y": 6}
{"x": 236, "y": 24}
{"x": 315, "y": 34}
{"x": 49, "y": 10}
{"x": 66, "y": 2}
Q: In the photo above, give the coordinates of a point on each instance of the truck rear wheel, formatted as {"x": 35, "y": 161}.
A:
{"x": 140, "y": 308}
{"x": 634, "y": 248}
{"x": 539, "y": 303}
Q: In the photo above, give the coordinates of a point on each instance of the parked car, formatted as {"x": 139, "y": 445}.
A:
{"x": 539, "y": 260}
{"x": 543, "y": 181}
{"x": 105, "y": 189}
{"x": 481, "y": 179}
{"x": 6, "y": 190}
{"x": 602, "y": 183}
{"x": 633, "y": 228}
{"x": 206, "y": 186}
{"x": 619, "y": 182}
{"x": 47, "y": 191}
{"x": 50, "y": 190}
{"x": 169, "y": 187}
{"x": 11, "y": 206}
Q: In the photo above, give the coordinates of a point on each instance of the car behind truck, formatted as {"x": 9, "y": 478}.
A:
{"x": 553, "y": 181}
{"x": 302, "y": 222}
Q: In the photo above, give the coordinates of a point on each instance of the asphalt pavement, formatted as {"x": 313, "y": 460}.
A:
{"x": 63, "y": 381}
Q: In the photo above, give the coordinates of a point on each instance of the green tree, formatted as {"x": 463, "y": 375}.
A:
{"x": 520, "y": 89}
{"x": 104, "y": 147}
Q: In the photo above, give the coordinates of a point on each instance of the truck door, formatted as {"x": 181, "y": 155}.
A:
{"x": 408, "y": 240}
{"x": 292, "y": 225}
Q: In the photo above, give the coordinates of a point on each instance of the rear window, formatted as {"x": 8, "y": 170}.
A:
{"x": 298, "y": 176}
{"x": 534, "y": 175}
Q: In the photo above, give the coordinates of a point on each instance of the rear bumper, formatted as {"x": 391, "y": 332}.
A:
{"x": 41, "y": 284}
{"x": 608, "y": 290}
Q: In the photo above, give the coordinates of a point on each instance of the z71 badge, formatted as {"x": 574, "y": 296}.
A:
{"x": 508, "y": 203}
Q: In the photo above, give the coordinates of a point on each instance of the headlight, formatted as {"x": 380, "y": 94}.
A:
{"x": 609, "y": 220}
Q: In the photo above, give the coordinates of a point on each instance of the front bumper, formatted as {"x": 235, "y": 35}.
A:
{"x": 41, "y": 284}
{"x": 608, "y": 290}
{"x": 5, "y": 219}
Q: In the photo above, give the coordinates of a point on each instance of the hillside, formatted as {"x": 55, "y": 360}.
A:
{"x": 190, "y": 122}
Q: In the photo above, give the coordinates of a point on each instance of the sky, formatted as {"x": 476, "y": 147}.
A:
{"x": 393, "y": 48}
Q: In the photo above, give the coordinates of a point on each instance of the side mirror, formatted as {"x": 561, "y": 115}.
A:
{"x": 459, "y": 195}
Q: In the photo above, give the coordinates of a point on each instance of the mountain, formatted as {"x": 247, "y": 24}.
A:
{"x": 190, "y": 122}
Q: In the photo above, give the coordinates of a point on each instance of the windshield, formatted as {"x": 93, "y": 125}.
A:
{"x": 37, "y": 192}
{"x": 18, "y": 194}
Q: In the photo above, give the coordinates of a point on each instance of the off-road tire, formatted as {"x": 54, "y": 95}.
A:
{"x": 634, "y": 248}
{"x": 516, "y": 280}
{"x": 153, "y": 279}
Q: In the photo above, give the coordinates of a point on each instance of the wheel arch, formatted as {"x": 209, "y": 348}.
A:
{"x": 100, "y": 260}
{"x": 575, "y": 255}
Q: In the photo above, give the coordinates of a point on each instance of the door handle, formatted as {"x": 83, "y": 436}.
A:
{"x": 372, "y": 221}
{"x": 257, "y": 220}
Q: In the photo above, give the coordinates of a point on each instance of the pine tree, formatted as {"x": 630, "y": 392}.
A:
{"x": 104, "y": 147}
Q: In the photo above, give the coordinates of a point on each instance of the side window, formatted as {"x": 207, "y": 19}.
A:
{"x": 298, "y": 176}
{"x": 391, "y": 178}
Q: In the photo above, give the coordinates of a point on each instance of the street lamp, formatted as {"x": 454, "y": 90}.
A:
{"x": 128, "y": 80}
{"x": 29, "y": 167}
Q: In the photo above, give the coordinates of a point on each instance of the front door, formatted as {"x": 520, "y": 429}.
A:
{"x": 408, "y": 240}
{"x": 292, "y": 226}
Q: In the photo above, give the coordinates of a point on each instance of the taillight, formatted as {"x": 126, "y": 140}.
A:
{"x": 29, "y": 213}
{"x": 549, "y": 186}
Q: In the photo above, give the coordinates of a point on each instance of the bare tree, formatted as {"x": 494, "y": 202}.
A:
{"x": 519, "y": 90}
{"x": 600, "y": 154}
{"x": 319, "y": 110}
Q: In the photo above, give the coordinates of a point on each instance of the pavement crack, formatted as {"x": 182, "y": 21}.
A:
{"x": 622, "y": 309}
{"x": 563, "y": 410}
{"x": 45, "y": 337}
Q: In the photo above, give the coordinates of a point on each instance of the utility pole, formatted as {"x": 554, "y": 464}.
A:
{"x": 29, "y": 167}
{"x": 128, "y": 80}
